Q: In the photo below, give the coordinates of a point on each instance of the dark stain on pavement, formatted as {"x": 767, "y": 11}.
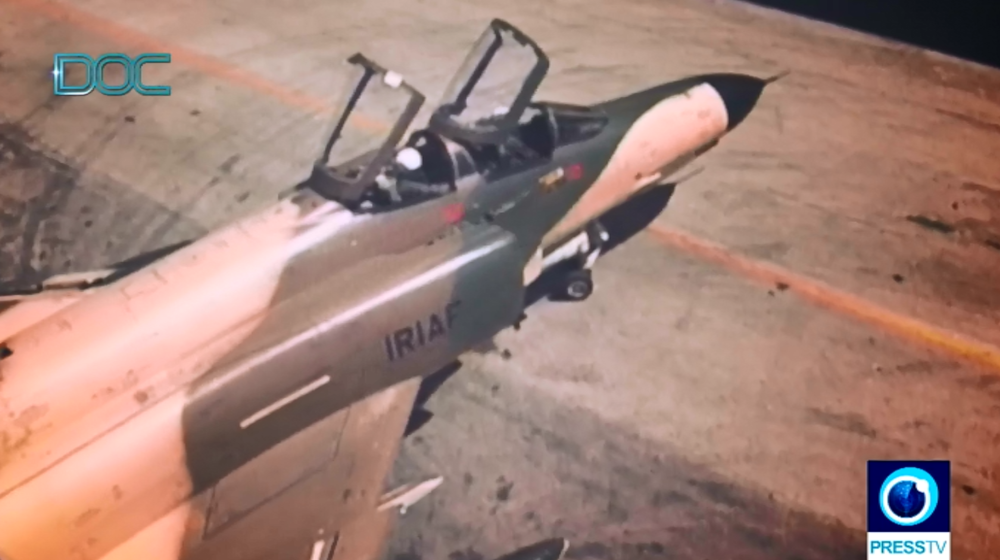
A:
{"x": 848, "y": 422}
{"x": 56, "y": 218}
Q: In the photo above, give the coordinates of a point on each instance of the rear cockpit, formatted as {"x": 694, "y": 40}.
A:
{"x": 574, "y": 123}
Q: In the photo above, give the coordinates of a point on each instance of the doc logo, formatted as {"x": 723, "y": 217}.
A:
{"x": 93, "y": 74}
{"x": 909, "y": 509}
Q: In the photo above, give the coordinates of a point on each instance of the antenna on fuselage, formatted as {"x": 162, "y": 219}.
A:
{"x": 777, "y": 77}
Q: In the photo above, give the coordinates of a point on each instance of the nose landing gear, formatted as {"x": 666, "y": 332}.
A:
{"x": 578, "y": 283}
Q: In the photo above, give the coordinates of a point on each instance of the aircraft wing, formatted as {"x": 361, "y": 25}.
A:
{"x": 24, "y": 306}
{"x": 318, "y": 495}
{"x": 19, "y": 309}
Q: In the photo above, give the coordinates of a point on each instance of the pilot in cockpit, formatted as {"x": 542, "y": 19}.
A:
{"x": 409, "y": 177}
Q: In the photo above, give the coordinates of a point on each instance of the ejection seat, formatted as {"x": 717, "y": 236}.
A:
{"x": 540, "y": 132}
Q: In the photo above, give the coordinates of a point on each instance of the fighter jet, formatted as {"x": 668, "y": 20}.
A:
{"x": 243, "y": 395}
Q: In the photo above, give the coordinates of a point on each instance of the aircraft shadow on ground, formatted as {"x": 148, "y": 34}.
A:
{"x": 621, "y": 223}
{"x": 612, "y": 491}
{"x": 419, "y": 415}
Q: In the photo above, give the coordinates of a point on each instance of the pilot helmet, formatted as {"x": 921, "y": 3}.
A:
{"x": 409, "y": 158}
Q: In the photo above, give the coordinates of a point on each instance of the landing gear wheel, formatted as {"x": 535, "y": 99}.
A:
{"x": 577, "y": 285}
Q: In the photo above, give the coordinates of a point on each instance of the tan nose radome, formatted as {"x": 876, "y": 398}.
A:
{"x": 666, "y": 132}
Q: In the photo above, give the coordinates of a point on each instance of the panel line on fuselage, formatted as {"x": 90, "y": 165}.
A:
{"x": 284, "y": 401}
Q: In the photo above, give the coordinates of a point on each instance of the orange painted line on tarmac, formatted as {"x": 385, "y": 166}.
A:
{"x": 206, "y": 64}
{"x": 812, "y": 290}
{"x": 832, "y": 298}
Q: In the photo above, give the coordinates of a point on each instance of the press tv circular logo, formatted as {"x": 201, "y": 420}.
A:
{"x": 908, "y": 496}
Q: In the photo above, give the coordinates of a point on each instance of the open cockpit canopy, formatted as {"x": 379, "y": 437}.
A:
{"x": 376, "y": 109}
{"x": 488, "y": 95}
{"x": 479, "y": 121}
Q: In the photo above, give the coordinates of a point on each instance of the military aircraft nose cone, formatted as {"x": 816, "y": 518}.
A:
{"x": 739, "y": 92}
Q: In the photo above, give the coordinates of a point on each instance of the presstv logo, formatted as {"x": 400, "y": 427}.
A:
{"x": 909, "y": 510}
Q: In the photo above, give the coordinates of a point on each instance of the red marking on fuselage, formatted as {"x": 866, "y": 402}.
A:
{"x": 574, "y": 172}
{"x": 453, "y": 213}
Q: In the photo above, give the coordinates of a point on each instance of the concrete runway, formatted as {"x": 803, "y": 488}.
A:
{"x": 784, "y": 320}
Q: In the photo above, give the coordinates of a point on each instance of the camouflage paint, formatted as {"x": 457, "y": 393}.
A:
{"x": 160, "y": 388}
{"x": 178, "y": 354}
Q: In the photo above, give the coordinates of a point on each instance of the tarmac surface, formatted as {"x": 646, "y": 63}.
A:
{"x": 824, "y": 293}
